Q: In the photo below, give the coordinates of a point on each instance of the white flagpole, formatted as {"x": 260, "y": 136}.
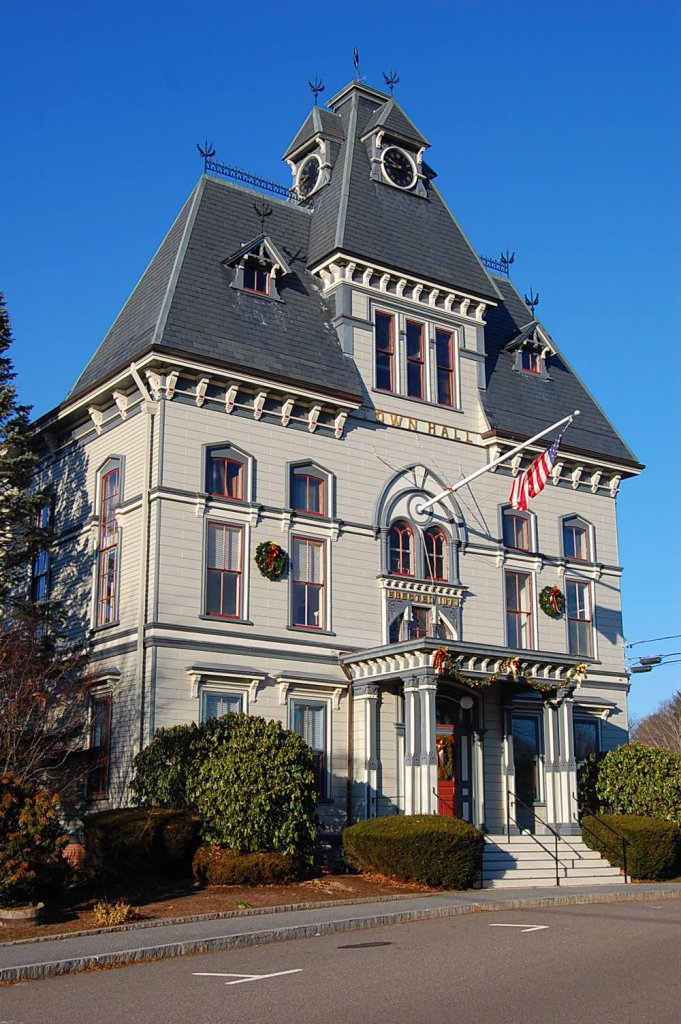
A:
{"x": 496, "y": 462}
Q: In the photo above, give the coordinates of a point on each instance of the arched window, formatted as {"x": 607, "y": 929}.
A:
{"x": 401, "y": 548}
{"x": 516, "y": 529}
{"x": 576, "y": 539}
{"x": 435, "y": 545}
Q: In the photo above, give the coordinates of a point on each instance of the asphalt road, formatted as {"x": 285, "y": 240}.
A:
{"x": 616, "y": 963}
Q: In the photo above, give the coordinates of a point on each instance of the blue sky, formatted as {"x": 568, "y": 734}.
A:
{"x": 554, "y": 132}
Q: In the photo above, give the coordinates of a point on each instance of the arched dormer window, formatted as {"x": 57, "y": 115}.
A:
{"x": 577, "y": 539}
{"x": 310, "y": 489}
{"x": 435, "y": 554}
{"x": 258, "y": 267}
{"x": 516, "y": 530}
{"x": 401, "y": 545}
{"x": 228, "y": 473}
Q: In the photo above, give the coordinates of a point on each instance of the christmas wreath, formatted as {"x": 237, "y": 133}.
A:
{"x": 552, "y": 602}
{"x": 271, "y": 559}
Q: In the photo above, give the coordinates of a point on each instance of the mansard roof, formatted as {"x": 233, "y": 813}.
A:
{"x": 319, "y": 122}
{"x": 519, "y": 404}
{"x": 393, "y": 120}
{"x": 184, "y": 302}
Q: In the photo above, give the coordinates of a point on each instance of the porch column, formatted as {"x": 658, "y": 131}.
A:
{"x": 367, "y": 696}
{"x": 478, "y": 780}
{"x": 551, "y": 763}
{"x": 412, "y": 745}
{"x": 567, "y": 776}
{"x": 428, "y": 767}
{"x": 508, "y": 771}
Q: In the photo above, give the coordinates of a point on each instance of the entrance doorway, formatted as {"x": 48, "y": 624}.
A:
{"x": 454, "y": 769}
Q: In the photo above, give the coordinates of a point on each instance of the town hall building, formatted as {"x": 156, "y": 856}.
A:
{"x": 241, "y": 472}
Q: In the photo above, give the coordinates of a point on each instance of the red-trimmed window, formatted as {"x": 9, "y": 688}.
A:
{"x": 576, "y": 539}
{"x": 307, "y": 492}
{"x": 107, "y": 568}
{"x": 444, "y": 351}
{"x": 580, "y": 632}
{"x": 530, "y": 360}
{"x": 256, "y": 278}
{"x": 307, "y": 592}
{"x": 401, "y": 543}
{"x": 224, "y": 571}
{"x": 97, "y": 780}
{"x": 418, "y": 627}
{"x": 435, "y": 544}
{"x": 226, "y": 477}
{"x": 415, "y": 359}
{"x": 385, "y": 352}
{"x": 516, "y": 530}
{"x": 519, "y": 610}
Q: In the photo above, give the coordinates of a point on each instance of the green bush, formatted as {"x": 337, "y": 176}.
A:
{"x": 125, "y": 843}
{"x": 215, "y": 866}
{"x": 439, "y": 851}
{"x": 653, "y": 845}
{"x": 587, "y": 778}
{"x": 250, "y": 782}
{"x": 31, "y": 843}
{"x": 635, "y": 779}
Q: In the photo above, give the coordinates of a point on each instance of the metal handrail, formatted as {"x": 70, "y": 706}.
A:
{"x": 556, "y": 835}
{"x": 623, "y": 840}
{"x": 445, "y": 802}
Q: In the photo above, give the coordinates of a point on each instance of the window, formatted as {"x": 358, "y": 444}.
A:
{"x": 516, "y": 530}
{"x": 435, "y": 546}
{"x": 526, "y": 759}
{"x": 576, "y": 539}
{"x": 256, "y": 277}
{"x": 41, "y": 562}
{"x": 215, "y": 703}
{"x": 519, "y": 609}
{"x": 225, "y": 477}
{"x": 401, "y": 543}
{"x": 444, "y": 351}
{"x": 415, "y": 360}
{"x": 107, "y": 570}
{"x": 97, "y": 781}
{"x": 578, "y": 601}
{"x": 530, "y": 360}
{"x": 307, "y": 492}
{"x": 418, "y": 627}
{"x": 587, "y": 733}
{"x": 224, "y": 570}
{"x": 308, "y": 583}
{"x": 308, "y": 719}
{"x": 385, "y": 352}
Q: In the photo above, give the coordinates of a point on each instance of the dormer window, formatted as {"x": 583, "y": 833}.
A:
{"x": 530, "y": 360}
{"x": 256, "y": 277}
{"x": 259, "y": 268}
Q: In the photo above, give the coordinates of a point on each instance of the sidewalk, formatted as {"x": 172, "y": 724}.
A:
{"x": 134, "y": 943}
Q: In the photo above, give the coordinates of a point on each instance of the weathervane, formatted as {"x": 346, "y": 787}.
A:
{"x": 506, "y": 259}
{"x": 391, "y": 79}
{"x": 317, "y": 86}
{"x": 207, "y": 151}
{"x": 532, "y": 300}
{"x": 263, "y": 211}
{"x": 355, "y": 61}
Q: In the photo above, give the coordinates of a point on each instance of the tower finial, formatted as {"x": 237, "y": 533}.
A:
{"x": 355, "y": 61}
{"x": 207, "y": 151}
{"x": 507, "y": 258}
{"x": 532, "y": 300}
{"x": 391, "y": 79}
{"x": 316, "y": 87}
{"x": 264, "y": 210}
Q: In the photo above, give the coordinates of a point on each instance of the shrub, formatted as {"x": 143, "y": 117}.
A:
{"x": 634, "y": 779}
{"x": 587, "y": 778}
{"x": 124, "y": 843}
{"x": 160, "y": 771}
{"x": 31, "y": 841}
{"x": 216, "y": 866}
{"x": 653, "y": 845}
{"x": 438, "y": 851}
{"x": 108, "y": 914}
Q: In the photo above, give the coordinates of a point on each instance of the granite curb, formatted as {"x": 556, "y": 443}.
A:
{"x": 141, "y": 954}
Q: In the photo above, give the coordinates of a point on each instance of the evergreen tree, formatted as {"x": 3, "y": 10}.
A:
{"x": 23, "y": 533}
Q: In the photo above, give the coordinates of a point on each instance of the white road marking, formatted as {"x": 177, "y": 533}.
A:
{"x": 523, "y": 927}
{"x": 242, "y": 978}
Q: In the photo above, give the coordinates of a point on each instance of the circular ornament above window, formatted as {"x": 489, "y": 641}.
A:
{"x": 308, "y": 176}
{"x": 398, "y": 167}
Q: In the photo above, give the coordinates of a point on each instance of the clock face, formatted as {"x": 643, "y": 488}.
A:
{"x": 398, "y": 167}
{"x": 308, "y": 176}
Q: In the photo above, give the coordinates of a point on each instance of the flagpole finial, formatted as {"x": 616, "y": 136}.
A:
{"x": 576, "y": 412}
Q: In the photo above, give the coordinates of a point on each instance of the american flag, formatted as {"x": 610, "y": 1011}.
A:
{"x": 531, "y": 482}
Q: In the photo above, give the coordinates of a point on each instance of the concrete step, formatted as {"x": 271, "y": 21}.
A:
{"x": 516, "y": 861}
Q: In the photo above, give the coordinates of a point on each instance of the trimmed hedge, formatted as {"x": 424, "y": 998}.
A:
{"x": 131, "y": 841}
{"x": 653, "y": 845}
{"x": 442, "y": 852}
{"x": 635, "y": 779}
{"x": 213, "y": 865}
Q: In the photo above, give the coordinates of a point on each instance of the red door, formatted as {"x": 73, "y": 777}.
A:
{"x": 446, "y": 771}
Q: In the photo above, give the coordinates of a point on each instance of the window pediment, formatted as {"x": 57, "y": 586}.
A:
{"x": 259, "y": 266}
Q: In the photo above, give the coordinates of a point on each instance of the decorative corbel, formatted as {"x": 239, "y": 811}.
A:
{"x": 556, "y": 473}
{"x": 254, "y": 515}
{"x": 433, "y": 296}
{"x": 259, "y": 404}
{"x": 97, "y": 417}
{"x": 400, "y": 286}
{"x": 230, "y": 397}
{"x": 253, "y": 691}
{"x": 384, "y": 281}
{"x": 283, "y": 690}
{"x": 335, "y": 529}
{"x": 194, "y": 682}
{"x": 171, "y": 384}
{"x": 416, "y": 293}
{"x": 576, "y": 476}
{"x": 339, "y": 423}
{"x": 463, "y": 308}
{"x": 201, "y": 389}
{"x": 155, "y": 383}
{"x": 285, "y": 520}
{"x": 595, "y": 480}
{"x": 313, "y": 418}
{"x": 614, "y": 485}
{"x": 337, "y": 694}
{"x": 121, "y": 400}
{"x": 286, "y": 410}
{"x": 366, "y": 276}
{"x": 480, "y": 310}
{"x": 449, "y": 301}
{"x": 516, "y": 463}
{"x": 350, "y": 270}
